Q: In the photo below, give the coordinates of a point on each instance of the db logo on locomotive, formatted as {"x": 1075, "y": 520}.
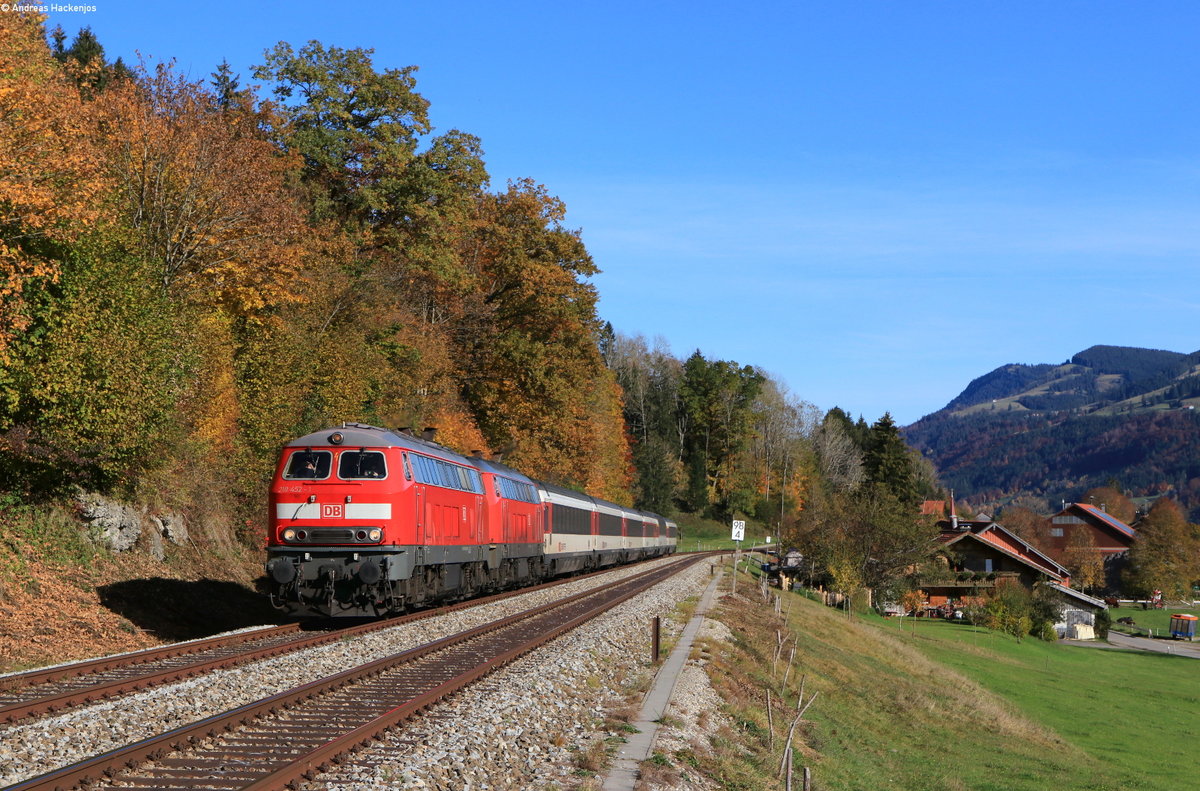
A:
{"x": 333, "y": 511}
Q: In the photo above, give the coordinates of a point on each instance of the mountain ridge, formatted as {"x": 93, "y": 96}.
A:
{"x": 1051, "y": 431}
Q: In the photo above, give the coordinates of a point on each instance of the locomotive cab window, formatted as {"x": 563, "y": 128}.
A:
{"x": 354, "y": 464}
{"x": 310, "y": 464}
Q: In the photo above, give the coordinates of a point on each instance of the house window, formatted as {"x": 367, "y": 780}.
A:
{"x": 1056, "y": 532}
{"x": 987, "y": 564}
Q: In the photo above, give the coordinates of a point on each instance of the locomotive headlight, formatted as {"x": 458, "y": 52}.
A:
{"x": 289, "y": 535}
{"x": 336, "y": 438}
{"x": 376, "y": 534}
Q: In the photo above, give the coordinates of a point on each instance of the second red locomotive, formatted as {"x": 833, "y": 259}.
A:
{"x": 369, "y": 521}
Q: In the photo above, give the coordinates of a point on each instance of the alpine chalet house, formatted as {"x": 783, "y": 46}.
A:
{"x": 1110, "y": 536}
{"x": 980, "y": 553}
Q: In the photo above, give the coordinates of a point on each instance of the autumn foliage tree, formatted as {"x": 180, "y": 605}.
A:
{"x": 51, "y": 182}
{"x": 1166, "y": 554}
{"x": 875, "y": 533}
{"x": 354, "y": 127}
{"x": 1084, "y": 561}
{"x": 530, "y": 364}
{"x": 1027, "y": 523}
{"x": 85, "y": 350}
{"x": 203, "y": 191}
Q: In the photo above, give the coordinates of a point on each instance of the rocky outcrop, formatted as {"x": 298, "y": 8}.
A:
{"x": 113, "y": 525}
{"x": 117, "y": 526}
{"x": 171, "y": 527}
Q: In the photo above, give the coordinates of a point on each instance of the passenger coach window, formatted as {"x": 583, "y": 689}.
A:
{"x": 313, "y": 464}
{"x": 361, "y": 464}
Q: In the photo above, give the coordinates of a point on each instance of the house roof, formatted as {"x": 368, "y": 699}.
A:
{"x": 1074, "y": 594}
{"x": 998, "y": 537}
{"x": 1104, "y": 517}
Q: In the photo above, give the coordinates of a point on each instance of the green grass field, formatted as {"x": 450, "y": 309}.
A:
{"x": 952, "y": 707}
{"x": 1135, "y": 715}
{"x": 1146, "y": 621}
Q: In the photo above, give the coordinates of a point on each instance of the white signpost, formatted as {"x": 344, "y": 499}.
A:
{"x": 739, "y": 535}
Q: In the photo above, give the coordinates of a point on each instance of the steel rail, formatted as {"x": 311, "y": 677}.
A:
{"x": 320, "y": 758}
{"x": 64, "y": 694}
{"x": 117, "y": 760}
{"x": 113, "y": 761}
{"x": 91, "y": 666}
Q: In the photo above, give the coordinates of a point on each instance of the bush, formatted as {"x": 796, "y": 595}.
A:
{"x": 1046, "y": 609}
{"x": 912, "y": 600}
{"x": 1008, "y": 609}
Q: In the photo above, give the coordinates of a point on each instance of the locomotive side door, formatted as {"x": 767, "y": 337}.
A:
{"x": 480, "y": 535}
{"x": 422, "y": 522}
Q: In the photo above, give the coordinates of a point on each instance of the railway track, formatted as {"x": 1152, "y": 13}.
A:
{"x": 281, "y": 739}
{"x": 50, "y": 690}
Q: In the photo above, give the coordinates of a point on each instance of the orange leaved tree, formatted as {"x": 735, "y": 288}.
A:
{"x": 50, "y": 179}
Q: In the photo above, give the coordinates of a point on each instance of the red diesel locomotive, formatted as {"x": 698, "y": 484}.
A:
{"x": 370, "y": 521}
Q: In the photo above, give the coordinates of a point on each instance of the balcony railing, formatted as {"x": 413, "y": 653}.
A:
{"x": 967, "y": 579}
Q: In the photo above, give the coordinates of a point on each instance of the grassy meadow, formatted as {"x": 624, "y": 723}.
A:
{"x": 1134, "y": 714}
{"x": 944, "y": 707}
{"x": 1145, "y": 621}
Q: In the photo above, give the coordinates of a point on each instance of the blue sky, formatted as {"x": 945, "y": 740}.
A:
{"x": 874, "y": 201}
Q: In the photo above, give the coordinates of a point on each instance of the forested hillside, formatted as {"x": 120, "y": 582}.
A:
{"x": 190, "y": 274}
{"x": 1054, "y": 431}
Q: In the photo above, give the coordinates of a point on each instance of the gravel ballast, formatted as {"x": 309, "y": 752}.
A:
{"x": 522, "y": 727}
{"x": 540, "y": 722}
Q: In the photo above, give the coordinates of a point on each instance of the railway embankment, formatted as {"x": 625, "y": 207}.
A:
{"x": 64, "y": 595}
{"x": 926, "y": 704}
{"x": 538, "y": 724}
{"x": 944, "y": 706}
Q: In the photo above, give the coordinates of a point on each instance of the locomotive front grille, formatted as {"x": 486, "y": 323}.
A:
{"x": 335, "y": 535}
{"x": 332, "y": 535}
